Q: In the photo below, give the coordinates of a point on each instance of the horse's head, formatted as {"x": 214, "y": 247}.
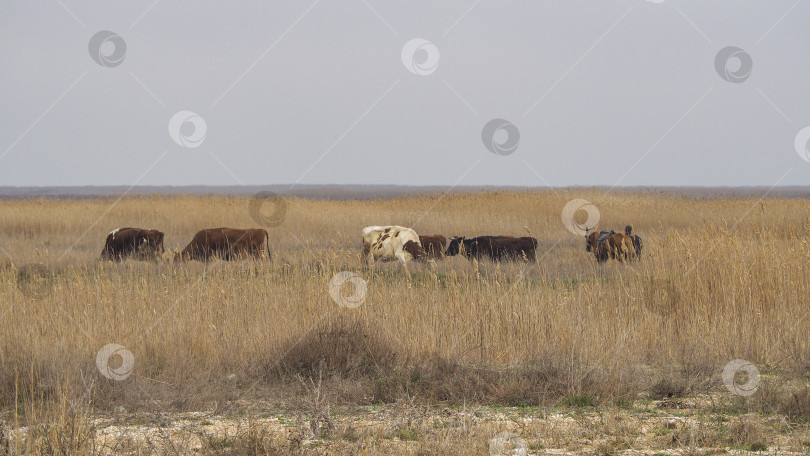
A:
{"x": 590, "y": 239}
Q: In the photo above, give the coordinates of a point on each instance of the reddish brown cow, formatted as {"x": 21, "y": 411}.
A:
{"x": 227, "y": 244}
{"x": 433, "y": 244}
{"x": 134, "y": 243}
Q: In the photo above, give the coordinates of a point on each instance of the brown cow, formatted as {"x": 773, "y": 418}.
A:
{"x": 609, "y": 244}
{"x": 133, "y": 242}
{"x": 495, "y": 247}
{"x": 226, "y": 243}
{"x": 433, "y": 244}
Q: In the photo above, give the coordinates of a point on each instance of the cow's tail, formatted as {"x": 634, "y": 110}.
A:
{"x": 267, "y": 245}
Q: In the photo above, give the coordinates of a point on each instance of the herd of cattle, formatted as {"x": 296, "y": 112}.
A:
{"x": 379, "y": 243}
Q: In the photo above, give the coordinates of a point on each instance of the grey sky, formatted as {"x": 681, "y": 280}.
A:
{"x": 602, "y": 93}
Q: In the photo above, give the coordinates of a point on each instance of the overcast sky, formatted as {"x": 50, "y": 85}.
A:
{"x": 590, "y": 92}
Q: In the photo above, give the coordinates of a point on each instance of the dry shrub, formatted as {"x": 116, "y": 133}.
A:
{"x": 343, "y": 348}
{"x": 64, "y": 427}
{"x": 795, "y": 404}
{"x": 41, "y": 380}
{"x": 667, "y": 388}
{"x": 694, "y": 435}
{"x": 749, "y": 433}
{"x": 5, "y": 439}
{"x": 439, "y": 379}
{"x": 612, "y": 446}
{"x": 256, "y": 440}
{"x": 788, "y": 397}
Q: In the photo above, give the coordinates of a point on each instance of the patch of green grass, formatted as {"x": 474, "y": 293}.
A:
{"x": 579, "y": 400}
{"x": 570, "y": 284}
{"x": 624, "y": 402}
{"x": 220, "y": 444}
{"x": 757, "y": 447}
{"x": 407, "y": 434}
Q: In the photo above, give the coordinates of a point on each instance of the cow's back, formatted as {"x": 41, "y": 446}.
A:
{"x": 501, "y": 247}
{"x": 205, "y": 244}
{"x": 433, "y": 244}
{"x": 245, "y": 242}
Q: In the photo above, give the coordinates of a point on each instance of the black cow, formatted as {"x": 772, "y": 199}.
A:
{"x": 495, "y": 247}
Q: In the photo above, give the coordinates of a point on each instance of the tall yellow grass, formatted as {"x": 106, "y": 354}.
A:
{"x": 719, "y": 279}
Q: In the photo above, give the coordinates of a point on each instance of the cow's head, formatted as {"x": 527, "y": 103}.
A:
{"x": 172, "y": 256}
{"x": 415, "y": 250}
{"x": 157, "y": 240}
{"x": 454, "y": 247}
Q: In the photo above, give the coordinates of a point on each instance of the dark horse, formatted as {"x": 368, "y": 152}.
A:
{"x": 609, "y": 244}
{"x": 628, "y": 230}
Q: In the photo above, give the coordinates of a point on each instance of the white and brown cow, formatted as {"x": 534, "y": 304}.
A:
{"x": 391, "y": 242}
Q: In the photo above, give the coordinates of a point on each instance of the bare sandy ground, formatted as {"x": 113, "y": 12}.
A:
{"x": 683, "y": 427}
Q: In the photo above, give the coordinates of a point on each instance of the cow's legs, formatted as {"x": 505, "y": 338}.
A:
{"x": 368, "y": 260}
{"x": 404, "y": 260}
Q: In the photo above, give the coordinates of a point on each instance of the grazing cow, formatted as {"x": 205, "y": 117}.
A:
{"x": 433, "y": 245}
{"x": 133, "y": 242}
{"x": 609, "y": 244}
{"x": 628, "y": 230}
{"x": 227, "y": 244}
{"x": 391, "y": 242}
{"x": 495, "y": 247}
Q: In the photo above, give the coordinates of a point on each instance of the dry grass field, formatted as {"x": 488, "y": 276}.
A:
{"x": 256, "y": 357}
